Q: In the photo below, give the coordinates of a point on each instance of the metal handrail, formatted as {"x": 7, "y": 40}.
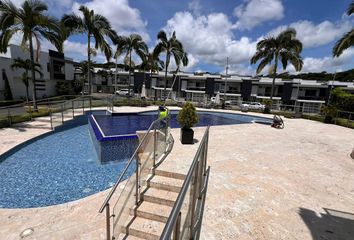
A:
{"x": 109, "y": 196}
{"x": 167, "y": 231}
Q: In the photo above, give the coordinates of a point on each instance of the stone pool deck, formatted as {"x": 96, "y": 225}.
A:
{"x": 295, "y": 183}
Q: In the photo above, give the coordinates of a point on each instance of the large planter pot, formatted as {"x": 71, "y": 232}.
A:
{"x": 187, "y": 136}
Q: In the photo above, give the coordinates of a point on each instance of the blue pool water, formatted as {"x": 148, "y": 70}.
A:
{"x": 63, "y": 166}
{"x": 58, "y": 168}
{"x": 120, "y": 125}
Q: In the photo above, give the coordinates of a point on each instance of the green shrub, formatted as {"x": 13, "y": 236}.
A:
{"x": 187, "y": 116}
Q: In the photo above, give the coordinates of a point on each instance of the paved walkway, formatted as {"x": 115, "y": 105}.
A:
{"x": 295, "y": 183}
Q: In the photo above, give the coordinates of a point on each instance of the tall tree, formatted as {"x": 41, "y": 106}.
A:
{"x": 26, "y": 65}
{"x": 31, "y": 21}
{"x": 84, "y": 70}
{"x": 97, "y": 27}
{"x": 129, "y": 45}
{"x": 347, "y": 40}
{"x": 285, "y": 47}
{"x": 171, "y": 47}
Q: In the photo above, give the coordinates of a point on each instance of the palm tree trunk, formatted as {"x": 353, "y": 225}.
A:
{"x": 89, "y": 64}
{"x": 130, "y": 71}
{"x": 33, "y": 73}
{"x": 27, "y": 99}
{"x": 274, "y": 75}
{"x": 165, "y": 87}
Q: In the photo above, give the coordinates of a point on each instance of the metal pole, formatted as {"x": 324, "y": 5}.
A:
{"x": 72, "y": 107}
{"x": 115, "y": 78}
{"x": 50, "y": 116}
{"x": 177, "y": 229}
{"x": 108, "y": 222}
{"x": 227, "y": 68}
{"x": 155, "y": 146}
{"x": 9, "y": 116}
{"x": 62, "y": 113}
{"x": 137, "y": 184}
{"x": 83, "y": 105}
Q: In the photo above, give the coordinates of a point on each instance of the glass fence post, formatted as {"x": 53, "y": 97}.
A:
{"x": 155, "y": 146}
{"x": 176, "y": 232}
{"x": 9, "y": 116}
{"x": 137, "y": 184}
{"x": 30, "y": 112}
{"x": 108, "y": 222}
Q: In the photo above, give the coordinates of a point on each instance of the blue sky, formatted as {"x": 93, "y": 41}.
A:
{"x": 212, "y": 30}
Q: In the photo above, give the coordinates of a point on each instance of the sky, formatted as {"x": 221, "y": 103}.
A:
{"x": 212, "y": 30}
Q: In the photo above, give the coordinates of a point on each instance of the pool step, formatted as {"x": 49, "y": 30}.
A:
{"x": 166, "y": 183}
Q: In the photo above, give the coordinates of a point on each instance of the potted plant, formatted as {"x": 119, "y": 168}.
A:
{"x": 187, "y": 117}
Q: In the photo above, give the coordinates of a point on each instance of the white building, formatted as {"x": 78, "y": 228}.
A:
{"x": 55, "y": 68}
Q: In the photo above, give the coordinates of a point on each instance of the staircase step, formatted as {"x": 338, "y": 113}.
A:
{"x": 144, "y": 228}
{"x": 160, "y": 196}
{"x": 170, "y": 174}
{"x": 166, "y": 183}
{"x": 152, "y": 211}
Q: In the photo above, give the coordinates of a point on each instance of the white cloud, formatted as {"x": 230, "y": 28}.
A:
{"x": 210, "y": 38}
{"x": 312, "y": 35}
{"x": 329, "y": 64}
{"x": 256, "y": 12}
{"x": 55, "y": 7}
{"x": 124, "y": 19}
{"x": 195, "y": 7}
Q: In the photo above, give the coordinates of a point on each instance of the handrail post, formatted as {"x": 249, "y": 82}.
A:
{"x": 108, "y": 222}
{"x": 137, "y": 184}
{"x": 90, "y": 102}
{"x": 177, "y": 229}
{"x": 155, "y": 146}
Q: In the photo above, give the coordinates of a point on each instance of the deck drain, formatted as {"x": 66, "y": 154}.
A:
{"x": 27, "y": 232}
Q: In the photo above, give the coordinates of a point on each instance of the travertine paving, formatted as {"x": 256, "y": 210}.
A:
{"x": 295, "y": 183}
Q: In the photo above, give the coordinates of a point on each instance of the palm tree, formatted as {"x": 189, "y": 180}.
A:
{"x": 285, "y": 47}
{"x": 95, "y": 26}
{"x": 347, "y": 40}
{"x": 128, "y": 45}
{"x": 29, "y": 20}
{"x": 171, "y": 46}
{"x": 84, "y": 69}
{"x": 152, "y": 63}
{"x": 26, "y": 65}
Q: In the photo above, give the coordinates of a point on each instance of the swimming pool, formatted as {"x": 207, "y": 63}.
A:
{"x": 62, "y": 167}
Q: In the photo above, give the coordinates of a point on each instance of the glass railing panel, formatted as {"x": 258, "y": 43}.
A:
{"x": 122, "y": 208}
{"x": 146, "y": 159}
{"x": 56, "y": 115}
{"x": 186, "y": 213}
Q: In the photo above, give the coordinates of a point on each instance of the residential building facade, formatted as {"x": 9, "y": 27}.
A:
{"x": 55, "y": 68}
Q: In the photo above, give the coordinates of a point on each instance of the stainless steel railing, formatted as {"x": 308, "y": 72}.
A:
{"x": 126, "y": 193}
{"x": 186, "y": 216}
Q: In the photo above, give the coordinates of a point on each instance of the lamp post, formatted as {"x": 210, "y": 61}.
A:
{"x": 115, "y": 77}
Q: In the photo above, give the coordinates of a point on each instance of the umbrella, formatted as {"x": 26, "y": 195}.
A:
{"x": 143, "y": 91}
{"x": 217, "y": 98}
